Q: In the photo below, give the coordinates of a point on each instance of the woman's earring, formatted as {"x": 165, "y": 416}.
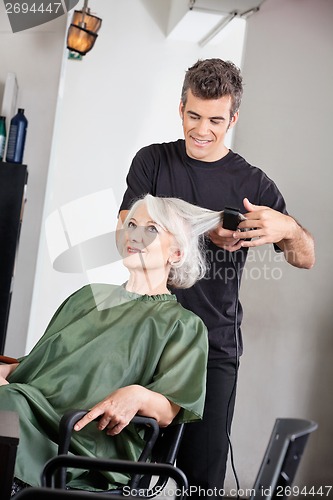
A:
{"x": 176, "y": 254}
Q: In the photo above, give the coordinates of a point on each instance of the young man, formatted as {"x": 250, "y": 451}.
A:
{"x": 203, "y": 171}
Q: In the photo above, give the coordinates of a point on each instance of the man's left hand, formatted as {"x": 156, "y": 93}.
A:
{"x": 264, "y": 225}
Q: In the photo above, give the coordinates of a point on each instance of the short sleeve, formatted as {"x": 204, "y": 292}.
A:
{"x": 272, "y": 197}
{"x": 140, "y": 178}
{"x": 181, "y": 372}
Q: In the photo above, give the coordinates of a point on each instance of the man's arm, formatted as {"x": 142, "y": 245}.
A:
{"x": 299, "y": 249}
{"x": 274, "y": 227}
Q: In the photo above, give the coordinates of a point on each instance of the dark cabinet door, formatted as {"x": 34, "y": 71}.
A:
{"x": 13, "y": 180}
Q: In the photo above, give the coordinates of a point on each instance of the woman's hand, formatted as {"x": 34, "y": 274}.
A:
{"x": 118, "y": 409}
{"x": 5, "y": 371}
{"x": 3, "y": 381}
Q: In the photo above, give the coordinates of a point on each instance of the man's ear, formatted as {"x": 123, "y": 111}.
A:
{"x": 181, "y": 110}
{"x": 234, "y": 120}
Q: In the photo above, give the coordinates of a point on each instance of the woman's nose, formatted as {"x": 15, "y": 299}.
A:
{"x": 136, "y": 233}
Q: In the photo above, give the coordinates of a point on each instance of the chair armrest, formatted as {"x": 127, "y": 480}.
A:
{"x": 70, "y": 418}
{"x": 7, "y": 360}
{"x": 66, "y": 426}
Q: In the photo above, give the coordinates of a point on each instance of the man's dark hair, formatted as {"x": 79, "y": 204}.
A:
{"x": 212, "y": 79}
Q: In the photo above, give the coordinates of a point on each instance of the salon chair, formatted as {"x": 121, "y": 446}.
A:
{"x": 161, "y": 447}
{"x": 281, "y": 459}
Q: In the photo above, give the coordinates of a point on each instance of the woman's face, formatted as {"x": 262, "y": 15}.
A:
{"x": 146, "y": 244}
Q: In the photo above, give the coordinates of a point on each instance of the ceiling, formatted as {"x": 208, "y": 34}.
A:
{"x": 226, "y": 6}
{"x": 202, "y": 20}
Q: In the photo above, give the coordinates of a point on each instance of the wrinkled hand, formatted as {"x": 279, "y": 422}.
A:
{"x": 116, "y": 410}
{"x": 3, "y": 381}
{"x": 5, "y": 371}
{"x": 265, "y": 225}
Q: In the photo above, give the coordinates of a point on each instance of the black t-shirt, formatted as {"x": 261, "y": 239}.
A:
{"x": 166, "y": 170}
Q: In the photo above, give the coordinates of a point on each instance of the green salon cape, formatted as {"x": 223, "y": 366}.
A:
{"x": 102, "y": 338}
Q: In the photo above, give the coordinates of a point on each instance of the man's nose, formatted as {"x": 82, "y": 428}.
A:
{"x": 203, "y": 127}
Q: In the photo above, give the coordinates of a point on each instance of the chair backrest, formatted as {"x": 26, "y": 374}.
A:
{"x": 167, "y": 445}
{"x": 282, "y": 457}
{"x": 165, "y": 451}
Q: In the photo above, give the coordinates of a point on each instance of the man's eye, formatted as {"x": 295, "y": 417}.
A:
{"x": 215, "y": 122}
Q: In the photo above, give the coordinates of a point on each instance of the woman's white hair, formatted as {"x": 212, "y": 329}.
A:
{"x": 188, "y": 224}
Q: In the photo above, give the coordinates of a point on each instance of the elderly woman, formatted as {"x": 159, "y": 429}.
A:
{"x": 119, "y": 350}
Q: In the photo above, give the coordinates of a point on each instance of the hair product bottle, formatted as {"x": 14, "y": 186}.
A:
{"x": 2, "y": 136}
{"x": 16, "y": 137}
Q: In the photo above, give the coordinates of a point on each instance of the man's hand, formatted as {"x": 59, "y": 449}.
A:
{"x": 266, "y": 225}
{"x": 226, "y": 239}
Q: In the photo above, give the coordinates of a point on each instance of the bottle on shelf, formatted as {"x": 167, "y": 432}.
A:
{"x": 2, "y": 136}
{"x": 16, "y": 137}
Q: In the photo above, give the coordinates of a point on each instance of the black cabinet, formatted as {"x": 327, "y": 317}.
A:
{"x": 13, "y": 181}
{"x": 9, "y": 439}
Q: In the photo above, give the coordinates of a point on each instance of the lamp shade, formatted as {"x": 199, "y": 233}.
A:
{"x": 80, "y": 39}
{"x": 92, "y": 23}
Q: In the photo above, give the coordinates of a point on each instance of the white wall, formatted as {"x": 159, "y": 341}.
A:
{"x": 35, "y": 56}
{"x": 285, "y": 128}
{"x": 123, "y": 95}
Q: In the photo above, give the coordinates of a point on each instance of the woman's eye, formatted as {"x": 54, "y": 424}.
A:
{"x": 131, "y": 224}
{"x": 152, "y": 229}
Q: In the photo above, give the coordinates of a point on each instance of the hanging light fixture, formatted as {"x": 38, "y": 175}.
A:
{"x": 82, "y": 32}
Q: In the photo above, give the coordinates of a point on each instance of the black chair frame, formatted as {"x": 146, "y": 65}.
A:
{"x": 282, "y": 457}
{"x": 52, "y": 467}
{"x": 161, "y": 446}
{"x": 136, "y": 468}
